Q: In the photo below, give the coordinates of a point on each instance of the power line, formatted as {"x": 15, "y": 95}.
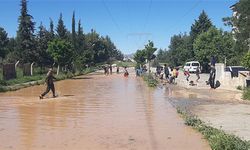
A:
{"x": 111, "y": 16}
{"x": 185, "y": 14}
{"x": 147, "y": 16}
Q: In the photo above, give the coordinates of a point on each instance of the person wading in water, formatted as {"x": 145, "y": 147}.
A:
{"x": 50, "y": 84}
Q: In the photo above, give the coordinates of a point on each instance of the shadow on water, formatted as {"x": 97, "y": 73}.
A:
{"x": 68, "y": 95}
{"x": 79, "y": 78}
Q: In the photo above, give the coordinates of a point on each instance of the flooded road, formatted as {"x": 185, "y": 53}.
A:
{"x": 94, "y": 112}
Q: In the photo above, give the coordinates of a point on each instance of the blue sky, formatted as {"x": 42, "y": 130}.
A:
{"x": 129, "y": 23}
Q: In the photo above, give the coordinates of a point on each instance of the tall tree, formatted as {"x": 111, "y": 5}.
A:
{"x": 73, "y": 33}
{"x": 25, "y": 35}
{"x": 4, "y": 40}
{"x": 201, "y": 25}
{"x": 80, "y": 38}
{"x": 43, "y": 37}
{"x": 51, "y": 29}
{"x": 240, "y": 22}
{"x": 61, "y": 29}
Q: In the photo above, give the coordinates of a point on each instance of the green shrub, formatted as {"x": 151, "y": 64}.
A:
{"x": 239, "y": 87}
{"x": 246, "y": 94}
{"x": 151, "y": 81}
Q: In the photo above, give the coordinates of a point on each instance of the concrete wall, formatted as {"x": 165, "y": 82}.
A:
{"x": 225, "y": 78}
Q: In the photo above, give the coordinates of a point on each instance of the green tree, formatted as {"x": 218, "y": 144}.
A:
{"x": 80, "y": 38}
{"x": 240, "y": 22}
{"x": 4, "y": 40}
{"x": 43, "y": 37}
{"x": 51, "y": 29}
{"x": 25, "y": 35}
{"x": 61, "y": 29}
{"x": 246, "y": 60}
{"x": 61, "y": 52}
{"x": 140, "y": 57}
{"x": 201, "y": 25}
{"x": 214, "y": 43}
{"x": 149, "y": 52}
{"x": 180, "y": 49}
{"x": 73, "y": 33}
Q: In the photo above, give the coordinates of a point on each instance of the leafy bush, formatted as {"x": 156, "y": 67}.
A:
{"x": 246, "y": 94}
{"x": 246, "y": 60}
{"x": 151, "y": 81}
{"x": 239, "y": 87}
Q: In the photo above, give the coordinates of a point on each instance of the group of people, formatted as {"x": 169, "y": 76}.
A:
{"x": 108, "y": 70}
{"x": 197, "y": 73}
{"x": 172, "y": 73}
{"x": 141, "y": 70}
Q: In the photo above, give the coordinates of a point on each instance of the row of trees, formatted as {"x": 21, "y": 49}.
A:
{"x": 59, "y": 45}
{"x": 205, "y": 40}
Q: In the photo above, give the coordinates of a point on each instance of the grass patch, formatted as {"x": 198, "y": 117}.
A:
{"x": 217, "y": 138}
{"x": 151, "y": 81}
{"x": 125, "y": 64}
{"x": 26, "y": 81}
{"x": 246, "y": 94}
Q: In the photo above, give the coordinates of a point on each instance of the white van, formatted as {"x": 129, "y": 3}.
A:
{"x": 191, "y": 66}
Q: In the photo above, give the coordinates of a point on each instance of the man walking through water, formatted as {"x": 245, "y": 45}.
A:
{"x": 50, "y": 84}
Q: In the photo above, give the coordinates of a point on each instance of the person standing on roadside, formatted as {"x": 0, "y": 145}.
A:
{"x": 212, "y": 77}
{"x": 117, "y": 69}
{"x": 110, "y": 68}
{"x": 197, "y": 72}
{"x": 49, "y": 81}
{"x": 213, "y": 61}
{"x": 166, "y": 71}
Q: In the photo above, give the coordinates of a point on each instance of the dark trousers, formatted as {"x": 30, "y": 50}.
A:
{"x": 50, "y": 87}
{"x": 211, "y": 82}
{"x": 166, "y": 75}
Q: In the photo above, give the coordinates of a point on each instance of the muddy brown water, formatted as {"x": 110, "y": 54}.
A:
{"x": 94, "y": 112}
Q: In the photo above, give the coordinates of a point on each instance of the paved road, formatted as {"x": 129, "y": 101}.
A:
{"x": 94, "y": 112}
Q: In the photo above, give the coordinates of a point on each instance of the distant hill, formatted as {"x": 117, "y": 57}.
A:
{"x": 129, "y": 57}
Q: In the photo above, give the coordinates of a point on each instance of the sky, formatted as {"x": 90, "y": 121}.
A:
{"x": 129, "y": 23}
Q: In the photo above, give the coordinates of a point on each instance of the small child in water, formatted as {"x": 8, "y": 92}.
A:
{"x": 126, "y": 72}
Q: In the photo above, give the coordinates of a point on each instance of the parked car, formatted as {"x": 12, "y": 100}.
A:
{"x": 191, "y": 66}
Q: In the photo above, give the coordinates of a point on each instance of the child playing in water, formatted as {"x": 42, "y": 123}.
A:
{"x": 187, "y": 74}
{"x": 50, "y": 84}
{"x": 126, "y": 72}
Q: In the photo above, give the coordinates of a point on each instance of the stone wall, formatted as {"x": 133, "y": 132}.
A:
{"x": 225, "y": 77}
